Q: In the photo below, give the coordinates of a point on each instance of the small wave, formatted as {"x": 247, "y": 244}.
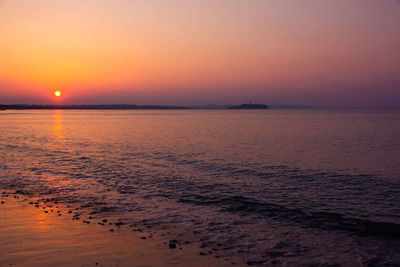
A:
{"x": 321, "y": 220}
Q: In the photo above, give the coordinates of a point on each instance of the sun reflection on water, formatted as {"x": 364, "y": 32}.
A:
{"x": 58, "y": 127}
{"x": 42, "y": 220}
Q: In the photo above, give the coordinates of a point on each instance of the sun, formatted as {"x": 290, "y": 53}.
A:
{"x": 57, "y": 93}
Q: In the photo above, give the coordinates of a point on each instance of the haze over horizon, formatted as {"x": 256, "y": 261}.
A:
{"x": 332, "y": 53}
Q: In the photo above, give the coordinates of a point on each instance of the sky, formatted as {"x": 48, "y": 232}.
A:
{"x": 332, "y": 53}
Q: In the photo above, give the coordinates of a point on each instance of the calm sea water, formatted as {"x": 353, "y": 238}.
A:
{"x": 273, "y": 186}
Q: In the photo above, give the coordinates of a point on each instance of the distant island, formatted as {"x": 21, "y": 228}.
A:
{"x": 249, "y": 106}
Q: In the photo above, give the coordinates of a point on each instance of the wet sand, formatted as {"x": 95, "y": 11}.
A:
{"x": 46, "y": 236}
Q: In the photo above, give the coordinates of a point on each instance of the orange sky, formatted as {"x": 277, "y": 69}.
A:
{"x": 199, "y": 52}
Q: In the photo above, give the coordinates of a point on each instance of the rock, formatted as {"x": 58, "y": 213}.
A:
{"x": 172, "y": 243}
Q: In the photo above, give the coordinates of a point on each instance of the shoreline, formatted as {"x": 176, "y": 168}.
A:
{"x": 43, "y": 234}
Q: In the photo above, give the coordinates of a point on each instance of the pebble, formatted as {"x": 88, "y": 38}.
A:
{"x": 172, "y": 243}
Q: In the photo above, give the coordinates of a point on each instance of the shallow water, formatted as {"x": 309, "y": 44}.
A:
{"x": 275, "y": 186}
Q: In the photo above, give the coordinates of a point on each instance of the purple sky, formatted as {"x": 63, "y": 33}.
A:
{"x": 334, "y": 53}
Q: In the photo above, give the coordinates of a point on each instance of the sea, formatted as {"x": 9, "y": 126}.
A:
{"x": 287, "y": 187}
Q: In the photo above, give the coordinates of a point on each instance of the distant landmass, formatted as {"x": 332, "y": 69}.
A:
{"x": 89, "y": 107}
{"x": 127, "y": 106}
{"x": 210, "y": 106}
{"x": 249, "y": 106}
{"x": 293, "y": 107}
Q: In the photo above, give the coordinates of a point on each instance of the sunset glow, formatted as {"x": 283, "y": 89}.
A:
{"x": 329, "y": 53}
{"x": 57, "y": 93}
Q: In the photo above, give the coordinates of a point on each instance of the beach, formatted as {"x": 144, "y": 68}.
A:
{"x": 47, "y": 236}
